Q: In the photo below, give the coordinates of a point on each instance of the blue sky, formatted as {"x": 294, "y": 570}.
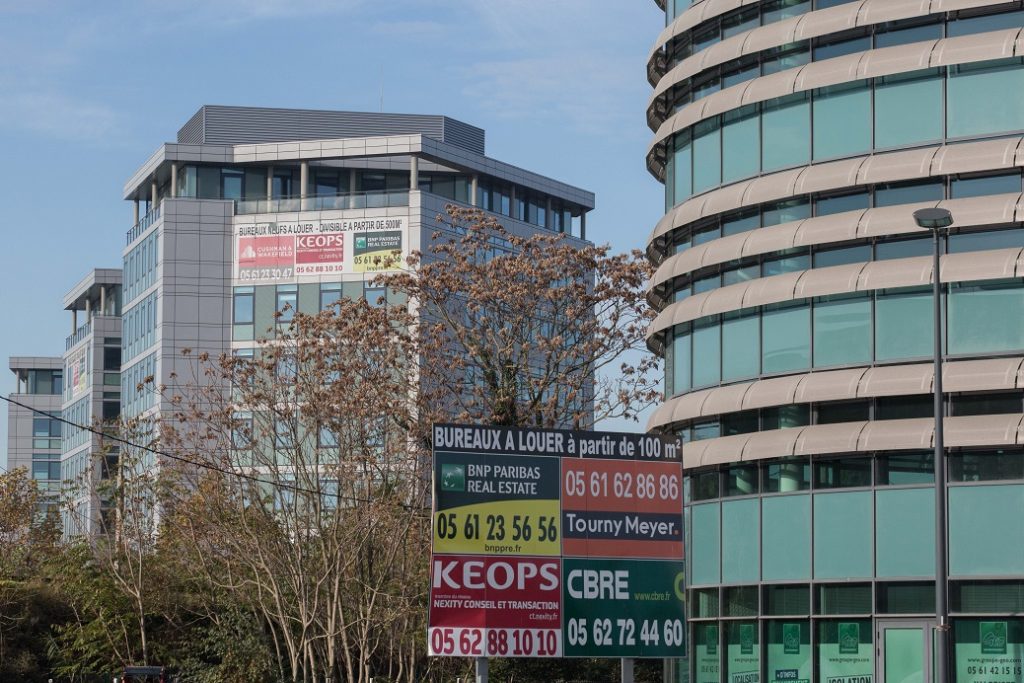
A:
{"x": 89, "y": 90}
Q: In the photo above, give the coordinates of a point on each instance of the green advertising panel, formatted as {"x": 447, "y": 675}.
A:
{"x": 789, "y": 652}
{"x": 706, "y": 655}
{"x": 742, "y": 653}
{"x": 989, "y": 651}
{"x": 624, "y": 608}
{"x": 846, "y": 652}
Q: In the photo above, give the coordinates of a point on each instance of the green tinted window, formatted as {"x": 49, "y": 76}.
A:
{"x": 706, "y": 546}
{"x": 683, "y": 168}
{"x": 707, "y": 347}
{"x": 899, "y": 319}
{"x": 842, "y": 120}
{"x": 842, "y": 331}
{"x": 681, "y": 343}
{"x": 740, "y": 543}
{"x": 707, "y": 156}
{"x": 843, "y": 535}
{"x": 741, "y": 136}
{"x": 786, "y": 538}
{"x": 740, "y": 344}
{"x": 905, "y": 532}
{"x": 786, "y": 140}
{"x": 908, "y": 109}
{"x": 979, "y": 320}
{"x": 983, "y": 539}
{"x": 786, "y": 341}
{"x": 986, "y": 97}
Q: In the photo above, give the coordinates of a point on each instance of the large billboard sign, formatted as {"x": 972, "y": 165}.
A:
{"x": 315, "y": 250}
{"x": 550, "y": 543}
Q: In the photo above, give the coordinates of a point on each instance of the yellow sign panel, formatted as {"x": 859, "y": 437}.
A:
{"x": 507, "y": 527}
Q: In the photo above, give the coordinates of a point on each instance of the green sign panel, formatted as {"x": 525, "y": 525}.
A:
{"x": 989, "y": 651}
{"x": 705, "y": 643}
{"x": 623, "y": 608}
{"x": 846, "y": 652}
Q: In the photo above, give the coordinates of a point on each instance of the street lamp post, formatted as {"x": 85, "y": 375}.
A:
{"x": 936, "y": 220}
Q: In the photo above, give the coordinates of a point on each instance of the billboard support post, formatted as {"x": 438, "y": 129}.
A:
{"x": 627, "y": 670}
{"x": 481, "y": 669}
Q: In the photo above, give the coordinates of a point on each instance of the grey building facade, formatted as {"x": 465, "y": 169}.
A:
{"x": 33, "y": 433}
{"x": 92, "y": 394}
{"x": 224, "y": 218}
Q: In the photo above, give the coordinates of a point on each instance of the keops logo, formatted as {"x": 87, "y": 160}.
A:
{"x": 456, "y": 574}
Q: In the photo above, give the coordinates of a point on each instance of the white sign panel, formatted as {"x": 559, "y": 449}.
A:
{"x": 316, "y": 250}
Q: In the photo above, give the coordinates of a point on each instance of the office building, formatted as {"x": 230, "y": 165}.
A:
{"x": 795, "y": 138}
{"x": 92, "y": 396}
{"x": 254, "y": 211}
{"x": 34, "y": 438}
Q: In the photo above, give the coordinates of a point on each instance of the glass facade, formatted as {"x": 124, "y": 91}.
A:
{"x": 855, "y": 118}
{"x": 819, "y": 568}
{"x": 848, "y": 330}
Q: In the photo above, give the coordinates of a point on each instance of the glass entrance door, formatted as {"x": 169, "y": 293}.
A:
{"x": 904, "y": 651}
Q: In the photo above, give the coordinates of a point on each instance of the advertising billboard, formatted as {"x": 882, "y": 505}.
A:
{"x": 551, "y": 543}
{"x": 312, "y": 250}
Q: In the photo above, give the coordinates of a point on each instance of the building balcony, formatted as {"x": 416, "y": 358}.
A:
{"x": 348, "y": 200}
{"x": 143, "y": 224}
{"x": 79, "y": 334}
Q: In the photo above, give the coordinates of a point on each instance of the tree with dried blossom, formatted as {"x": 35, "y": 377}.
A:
{"x": 537, "y": 330}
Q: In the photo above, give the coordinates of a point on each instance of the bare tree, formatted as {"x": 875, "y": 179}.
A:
{"x": 308, "y": 493}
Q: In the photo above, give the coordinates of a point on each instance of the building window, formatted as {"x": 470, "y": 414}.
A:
{"x": 330, "y": 294}
{"x": 244, "y": 301}
{"x": 375, "y": 296}
{"x": 287, "y": 302}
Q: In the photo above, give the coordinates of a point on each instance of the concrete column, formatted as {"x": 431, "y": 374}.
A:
{"x": 414, "y": 172}
{"x": 352, "y": 187}
{"x": 88, "y": 310}
{"x": 135, "y": 212}
{"x": 583, "y": 225}
{"x": 548, "y": 219}
{"x": 174, "y": 178}
{"x": 152, "y": 194}
{"x": 474, "y": 185}
{"x": 74, "y": 320}
{"x": 303, "y": 183}
{"x": 270, "y": 182}
{"x": 103, "y": 300}
{"x": 512, "y": 202}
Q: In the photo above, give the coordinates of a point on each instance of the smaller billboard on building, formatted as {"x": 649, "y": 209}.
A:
{"x": 314, "y": 250}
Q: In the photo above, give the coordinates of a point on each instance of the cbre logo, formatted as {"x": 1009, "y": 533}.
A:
{"x": 500, "y": 575}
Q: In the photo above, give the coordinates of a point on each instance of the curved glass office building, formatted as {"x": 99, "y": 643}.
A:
{"x": 795, "y": 138}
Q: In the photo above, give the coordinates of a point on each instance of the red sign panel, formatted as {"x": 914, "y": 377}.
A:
{"x": 616, "y": 508}
{"x": 266, "y": 252}
{"x": 318, "y": 253}
{"x": 484, "y": 606}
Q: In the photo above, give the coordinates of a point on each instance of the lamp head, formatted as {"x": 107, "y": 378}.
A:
{"x": 933, "y": 219}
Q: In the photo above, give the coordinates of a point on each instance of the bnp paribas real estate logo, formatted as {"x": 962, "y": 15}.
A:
{"x": 453, "y": 477}
{"x": 993, "y": 637}
{"x": 849, "y": 638}
{"x": 360, "y": 242}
